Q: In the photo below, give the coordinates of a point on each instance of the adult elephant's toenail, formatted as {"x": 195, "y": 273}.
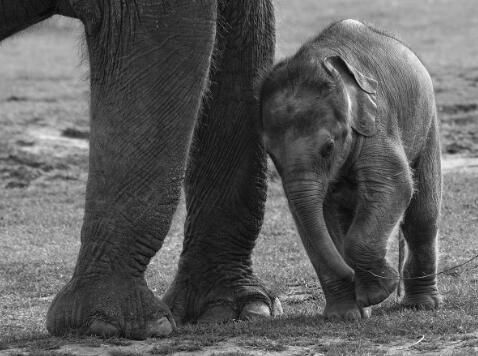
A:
{"x": 255, "y": 310}
{"x": 366, "y": 312}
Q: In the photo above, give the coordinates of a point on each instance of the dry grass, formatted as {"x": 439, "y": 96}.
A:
{"x": 43, "y": 92}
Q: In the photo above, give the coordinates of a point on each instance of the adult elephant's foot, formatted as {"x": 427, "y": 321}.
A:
{"x": 109, "y": 306}
{"x": 374, "y": 282}
{"x": 421, "y": 294}
{"x": 196, "y": 298}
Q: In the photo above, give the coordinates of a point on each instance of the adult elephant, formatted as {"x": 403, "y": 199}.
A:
{"x": 152, "y": 64}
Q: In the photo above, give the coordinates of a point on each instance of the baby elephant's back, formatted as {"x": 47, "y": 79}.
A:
{"x": 405, "y": 92}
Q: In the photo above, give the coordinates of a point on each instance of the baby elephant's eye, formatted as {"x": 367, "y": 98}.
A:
{"x": 327, "y": 148}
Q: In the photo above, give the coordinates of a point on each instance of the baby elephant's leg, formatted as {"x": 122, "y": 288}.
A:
{"x": 339, "y": 294}
{"x": 420, "y": 228}
{"x": 385, "y": 188}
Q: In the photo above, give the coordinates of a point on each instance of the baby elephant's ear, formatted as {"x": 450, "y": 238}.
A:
{"x": 360, "y": 89}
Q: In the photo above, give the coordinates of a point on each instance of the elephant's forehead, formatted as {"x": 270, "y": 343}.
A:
{"x": 289, "y": 103}
{"x": 295, "y": 110}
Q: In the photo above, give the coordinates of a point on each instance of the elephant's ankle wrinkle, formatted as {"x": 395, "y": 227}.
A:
{"x": 104, "y": 271}
{"x": 208, "y": 246}
{"x": 112, "y": 261}
{"x": 420, "y": 280}
{"x": 419, "y": 288}
{"x": 98, "y": 275}
{"x": 339, "y": 290}
{"x": 191, "y": 267}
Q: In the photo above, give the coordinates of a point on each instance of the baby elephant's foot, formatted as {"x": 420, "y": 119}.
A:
{"x": 421, "y": 294}
{"x": 340, "y": 301}
{"x": 346, "y": 311}
{"x": 374, "y": 283}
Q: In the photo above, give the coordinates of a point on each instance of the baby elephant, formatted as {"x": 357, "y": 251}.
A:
{"x": 350, "y": 123}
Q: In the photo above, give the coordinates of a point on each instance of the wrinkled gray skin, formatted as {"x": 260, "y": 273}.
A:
{"x": 350, "y": 123}
{"x": 151, "y": 62}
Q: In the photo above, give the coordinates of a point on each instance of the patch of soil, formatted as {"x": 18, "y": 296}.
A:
{"x": 15, "y": 98}
{"x": 452, "y": 163}
{"x": 459, "y": 128}
{"x": 457, "y": 108}
{"x": 43, "y": 153}
{"x": 297, "y": 294}
{"x": 423, "y": 345}
{"x": 73, "y": 132}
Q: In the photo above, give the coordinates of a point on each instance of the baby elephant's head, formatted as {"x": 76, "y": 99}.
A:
{"x": 309, "y": 109}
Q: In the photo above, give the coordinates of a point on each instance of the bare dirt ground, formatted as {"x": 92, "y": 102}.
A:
{"x": 43, "y": 165}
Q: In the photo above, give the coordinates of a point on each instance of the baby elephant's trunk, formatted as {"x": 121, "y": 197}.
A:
{"x": 306, "y": 204}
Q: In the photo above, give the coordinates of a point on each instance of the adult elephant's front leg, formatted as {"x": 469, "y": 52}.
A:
{"x": 225, "y": 180}
{"x": 149, "y": 67}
